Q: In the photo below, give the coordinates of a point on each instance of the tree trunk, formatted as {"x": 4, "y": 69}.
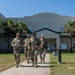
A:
{"x": 71, "y": 43}
{"x": 8, "y": 44}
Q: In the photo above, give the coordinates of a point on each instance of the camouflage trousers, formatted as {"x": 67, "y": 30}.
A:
{"x": 27, "y": 55}
{"x": 34, "y": 57}
{"x": 25, "y": 52}
{"x": 17, "y": 56}
{"x": 42, "y": 53}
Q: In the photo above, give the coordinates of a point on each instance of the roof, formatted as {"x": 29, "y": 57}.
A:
{"x": 60, "y": 33}
{"x": 47, "y": 29}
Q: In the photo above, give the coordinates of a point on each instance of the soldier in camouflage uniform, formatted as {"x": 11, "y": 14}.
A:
{"x": 43, "y": 47}
{"x": 27, "y": 48}
{"x": 17, "y": 46}
{"x": 35, "y": 43}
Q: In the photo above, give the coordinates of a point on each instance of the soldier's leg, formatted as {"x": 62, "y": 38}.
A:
{"x": 32, "y": 57}
{"x": 44, "y": 54}
{"x": 14, "y": 54}
{"x": 40, "y": 53}
{"x": 28, "y": 56}
{"x": 35, "y": 58}
{"x": 25, "y": 52}
{"x": 18, "y": 58}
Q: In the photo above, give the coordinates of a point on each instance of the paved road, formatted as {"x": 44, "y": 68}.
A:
{"x": 27, "y": 69}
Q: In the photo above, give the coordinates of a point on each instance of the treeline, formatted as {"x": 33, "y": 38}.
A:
{"x": 10, "y": 27}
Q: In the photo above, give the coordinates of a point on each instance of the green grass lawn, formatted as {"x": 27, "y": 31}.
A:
{"x": 66, "y": 68}
{"x": 7, "y": 60}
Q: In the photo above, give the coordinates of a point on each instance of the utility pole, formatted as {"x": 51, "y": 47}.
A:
{"x": 59, "y": 55}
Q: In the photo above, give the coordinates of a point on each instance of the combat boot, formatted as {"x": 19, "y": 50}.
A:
{"x": 33, "y": 65}
{"x": 16, "y": 66}
{"x": 27, "y": 61}
{"x": 43, "y": 61}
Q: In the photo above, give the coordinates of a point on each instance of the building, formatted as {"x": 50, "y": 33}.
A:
{"x": 50, "y": 24}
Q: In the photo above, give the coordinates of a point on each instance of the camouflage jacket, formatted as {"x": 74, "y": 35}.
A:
{"x": 17, "y": 43}
{"x": 43, "y": 43}
{"x": 35, "y": 43}
{"x": 27, "y": 44}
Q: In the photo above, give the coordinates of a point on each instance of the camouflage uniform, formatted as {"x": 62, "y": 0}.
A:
{"x": 27, "y": 49}
{"x": 17, "y": 46}
{"x": 34, "y": 50}
{"x": 43, "y": 50}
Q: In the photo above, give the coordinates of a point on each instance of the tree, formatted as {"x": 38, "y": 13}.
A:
{"x": 22, "y": 28}
{"x": 9, "y": 28}
{"x": 1, "y": 24}
{"x": 10, "y": 23}
{"x": 13, "y": 27}
{"x": 70, "y": 28}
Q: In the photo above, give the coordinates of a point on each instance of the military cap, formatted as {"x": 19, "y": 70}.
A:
{"x": 33, "y": 33}
{"x": 28, "y": 34}
{"x": 42, "y": 35}
{"x": 17, "y": 33}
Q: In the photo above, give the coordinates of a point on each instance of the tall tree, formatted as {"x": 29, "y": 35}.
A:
{"x": 1, "y": 24}
{"x": 70, "y": 28}
{"x": 10, "y": 23}
{"x": 9, "y": 27}
{"x": 22, "y": 28}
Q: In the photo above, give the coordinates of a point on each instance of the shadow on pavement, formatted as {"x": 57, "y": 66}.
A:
{"x": 44, "y": 63}
{"x": 38, "y": 66}
{"x": 25, "y": 66}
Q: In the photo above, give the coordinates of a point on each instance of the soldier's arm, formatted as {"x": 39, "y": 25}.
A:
{"x": 46, "y": 44}
{"x": 12, "y": 43}
{"x": 21, "y": 42}
{"x": 29, "y": 45}
{"x": 38, "y": 43}
{"x": 41, "y": 44}
{"x": 24, "y": 42}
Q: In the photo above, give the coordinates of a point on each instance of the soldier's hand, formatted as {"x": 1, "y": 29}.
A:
{"x": 29, "y": 48}
{"x": 25, "y": 45}
{"x": 41, "y": 46}
{"x": 36, "y": 46}
{"x": 18, "y": 45}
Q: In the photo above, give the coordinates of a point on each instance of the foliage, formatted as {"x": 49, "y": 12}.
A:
{"x": 1, "y": 24}
{"x": 70, "y": 27}
{"x": 11, "y": 27}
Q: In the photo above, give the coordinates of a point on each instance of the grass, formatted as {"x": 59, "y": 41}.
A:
{"x": 7, "y": 61}
{"x": 66, "y": 68}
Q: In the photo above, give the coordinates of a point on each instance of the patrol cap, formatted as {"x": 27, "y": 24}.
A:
{"x": 17, "y": 33}
{"x": 42, "y": 35}
{"x": 28, "y": 35}
{"x": 33, "y": 33}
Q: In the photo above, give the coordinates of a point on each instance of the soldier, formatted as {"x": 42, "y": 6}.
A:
{"x": 35, "y": 43}
{"x": 43, "y": 47}
{"x": 17, "y": 46}
{"x": 27, "y": 48}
